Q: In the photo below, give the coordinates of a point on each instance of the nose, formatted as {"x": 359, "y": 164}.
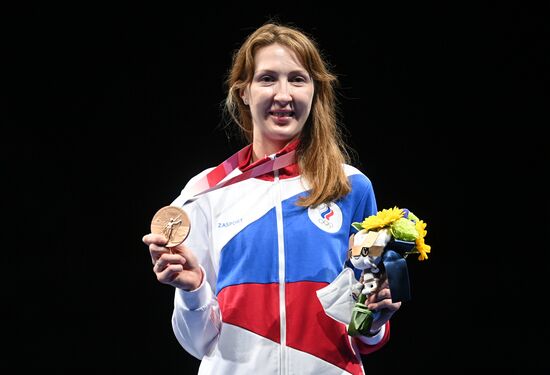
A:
{"x": 282, "y": 93}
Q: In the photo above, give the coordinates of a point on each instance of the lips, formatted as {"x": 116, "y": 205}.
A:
{"x": 281, "y": 113}
{"x": 281, "y": 117}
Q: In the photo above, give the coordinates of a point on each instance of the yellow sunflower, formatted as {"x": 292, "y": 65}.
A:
{"x": 382, "y": 218}
{"x": 422, "y": 248}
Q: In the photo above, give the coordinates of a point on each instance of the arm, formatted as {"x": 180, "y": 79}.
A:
{"x": 188, "y": 268}
{"x": 378, "y": 301}
{"x": 380, "y": 304}
{"x": 196, "y": 319}
{"x": 371, "y": 344}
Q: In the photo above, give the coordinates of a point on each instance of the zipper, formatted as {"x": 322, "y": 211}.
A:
{"x": 283, "y": 367}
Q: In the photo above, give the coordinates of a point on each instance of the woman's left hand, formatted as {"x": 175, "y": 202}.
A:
{"x": 381, "y": 303}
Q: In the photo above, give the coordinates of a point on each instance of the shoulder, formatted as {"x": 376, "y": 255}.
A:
{"x": 350, "y": 170}
{"x": 189, "y": 189}
{"x": 196, "y": 178}
{"x": 356, "y": 177}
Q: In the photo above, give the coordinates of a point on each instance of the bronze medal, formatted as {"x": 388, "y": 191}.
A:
{"x": 173, "y": 223}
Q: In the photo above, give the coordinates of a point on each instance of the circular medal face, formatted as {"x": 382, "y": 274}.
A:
{"x": 173, "y": 223}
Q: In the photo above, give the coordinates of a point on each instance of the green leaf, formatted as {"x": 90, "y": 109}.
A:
{"x": 357, "y": 226}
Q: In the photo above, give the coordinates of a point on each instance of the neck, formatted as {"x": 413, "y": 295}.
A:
{"x": 261, "y": 150}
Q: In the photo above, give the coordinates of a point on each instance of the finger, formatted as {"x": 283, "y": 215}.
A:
{"x": 154, "y": 248}
{"x": 167, "y": 259}
{"x": 157, "y": 252}
{"x": 169, "y": 274}
{"x": 384, "y": 304}
{"x": 158, "y": 239}
{"x": 186, "y": 253}
{"x": 158, "y": 266}
{"x": 380, "y": 295}
{"x": 383, "y": 282}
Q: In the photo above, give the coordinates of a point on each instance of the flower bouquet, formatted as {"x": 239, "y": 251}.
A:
{"x": 380, "y": 246}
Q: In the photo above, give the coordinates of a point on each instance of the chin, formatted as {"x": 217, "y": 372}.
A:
{"x": 286, "y": 131}
{"x": 283, "y": 136}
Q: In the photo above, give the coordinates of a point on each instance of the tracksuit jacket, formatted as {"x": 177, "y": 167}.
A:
{"x": 264, "y": 258}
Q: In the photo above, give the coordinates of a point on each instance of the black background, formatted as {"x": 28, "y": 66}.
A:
{"x": 108, "y": 112}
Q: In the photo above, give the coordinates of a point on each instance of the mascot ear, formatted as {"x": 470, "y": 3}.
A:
{"x": 350, "y": 246}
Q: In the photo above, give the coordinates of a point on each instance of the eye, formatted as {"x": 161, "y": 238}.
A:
{"x": 266, "y": 78}
{"x": 299, "y": 79}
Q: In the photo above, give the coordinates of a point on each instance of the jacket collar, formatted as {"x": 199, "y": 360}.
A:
{"x": 291, "y": 170}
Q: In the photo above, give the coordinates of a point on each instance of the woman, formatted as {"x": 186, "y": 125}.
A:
{"x": 246, "y": 277}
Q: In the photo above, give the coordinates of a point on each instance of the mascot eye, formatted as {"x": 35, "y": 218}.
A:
{"x": 365, "y": 251}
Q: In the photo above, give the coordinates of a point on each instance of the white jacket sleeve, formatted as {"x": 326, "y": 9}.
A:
{"x": 196, "y": 317}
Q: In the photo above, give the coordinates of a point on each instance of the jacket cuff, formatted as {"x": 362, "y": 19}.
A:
{"x": 195, "y": 299}
{"x": 373, "y": 340}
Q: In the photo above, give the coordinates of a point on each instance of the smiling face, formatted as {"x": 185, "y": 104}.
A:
{"x": 280, "y": 97}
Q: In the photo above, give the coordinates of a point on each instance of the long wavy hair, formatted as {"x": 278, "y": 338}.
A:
{"x": 321, "y": 151}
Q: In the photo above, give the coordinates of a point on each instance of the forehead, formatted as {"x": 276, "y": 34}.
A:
{"x": 277, "y": 56}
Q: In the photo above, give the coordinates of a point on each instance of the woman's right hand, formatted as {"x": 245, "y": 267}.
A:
{"x": 176, "y": 266}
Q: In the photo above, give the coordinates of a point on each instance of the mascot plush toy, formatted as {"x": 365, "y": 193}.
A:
{"x": 378, "y": 249}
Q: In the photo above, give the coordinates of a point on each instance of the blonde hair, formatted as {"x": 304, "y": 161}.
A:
{"x": 321, "y": 151}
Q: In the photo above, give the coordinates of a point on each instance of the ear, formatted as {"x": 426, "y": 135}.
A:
{"x": 244, "y": 96}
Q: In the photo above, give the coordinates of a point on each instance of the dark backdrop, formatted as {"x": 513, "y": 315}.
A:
{"x": 108, "y": 112}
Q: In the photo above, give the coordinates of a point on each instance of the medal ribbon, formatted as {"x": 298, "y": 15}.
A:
{"x": 213, "y": 179}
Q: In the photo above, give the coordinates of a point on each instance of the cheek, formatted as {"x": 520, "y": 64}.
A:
{"x": 260, "y": 95}
{"x": 306, "y": 99}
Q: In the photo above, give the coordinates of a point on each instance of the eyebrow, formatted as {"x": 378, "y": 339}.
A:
{"x": 269, "y": 71}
